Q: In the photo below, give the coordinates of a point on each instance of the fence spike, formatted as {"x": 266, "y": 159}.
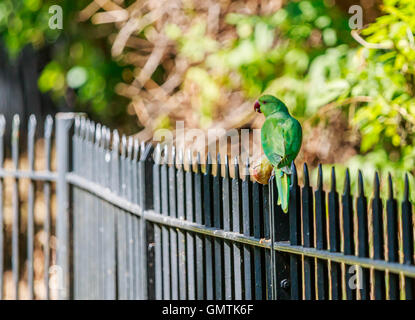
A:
{"x": 146, "y": 151}
{"x": 115, "y": 141}
{"x": 360, "y": 185}
{"x": 246, "y": 168}
{"x": 49, "y": 126}
{"x": 130, "y": 147}
{"x": 91, "y": 131}
{"x": 87, "y": 129}
{"x": 306, "y": 175}
{"x": 218, "y": 166}
{"x": 236, "y": 168}
{"x": 32, "y": 126}
{"x": 157, "y": 154}
{"x": 123, "y": 145}
{"x": 136, "y": 154}
{"x": 103, "y": 137}
{"x": 189, "y": 160}
{"x": 406, "y": 188}
{"x": 157, "y": 157}
{"x": 294, "y": 180}
{"x": 82, "y": 128}
{"x": 390, "y": 186}
{"x": 208, "y": 158}
{"x": 173, "y": 156}
{"x": 84, "y": 123}
{"x": 180, "y": 158}
{"x": 208, "y": 164}
{"x": 142, "y": 149}
{"x": 320, "y": 177}
{"x": 98, "y": 134}
{"x": 346, "y": 189}
{"x": 15, "y": 140}
{"x": 2, "y": 124}
{"x": 77, "y": 125}
{"x": 333, "y": 179}
{"x": 376, "y": 185}
{"x": 16, "y": 122}
{"x": 108, "y": 138}
{"x": 165, "y": 154}
{"x": 198, "y": 167}
{"x": 226, "y": 164}
{"x": 31, "y": 141}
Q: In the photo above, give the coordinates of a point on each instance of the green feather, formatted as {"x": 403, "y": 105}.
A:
{"x": 281, "y": 137}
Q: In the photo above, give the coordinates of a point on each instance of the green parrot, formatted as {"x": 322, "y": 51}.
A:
{"x": 281, "y": 137}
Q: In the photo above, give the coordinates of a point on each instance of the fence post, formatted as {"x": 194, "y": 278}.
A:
{"x": 64, "y": 123}
{"x": 146, "y": 203}
{"x": 279, "y": 231}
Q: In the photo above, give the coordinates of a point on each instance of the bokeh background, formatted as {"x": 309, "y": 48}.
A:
{"x": 141, "y": 65}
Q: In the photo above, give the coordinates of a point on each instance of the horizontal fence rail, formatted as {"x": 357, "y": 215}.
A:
{"x": 137, "y": 222}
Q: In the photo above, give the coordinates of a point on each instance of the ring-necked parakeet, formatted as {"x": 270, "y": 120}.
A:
{"x": 281, "y": 137}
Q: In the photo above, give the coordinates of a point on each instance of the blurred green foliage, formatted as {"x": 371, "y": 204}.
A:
{"x": 387, "y": 123}
{"x": 80, "y": 62}
{"x": 304, "y": 54}
{"x": 280, "y": 54}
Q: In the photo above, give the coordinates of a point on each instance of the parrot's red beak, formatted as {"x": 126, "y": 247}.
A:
{"x": 257, "y": 107}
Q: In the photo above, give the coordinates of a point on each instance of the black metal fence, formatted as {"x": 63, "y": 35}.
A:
{"x": 134, "y": 222}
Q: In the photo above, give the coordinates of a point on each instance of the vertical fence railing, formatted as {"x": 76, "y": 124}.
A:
{"x": 22, "y": 236}
{"x": 2, "y": 246}
{"x": 64, "y": 125}
{"x": 408, "y": 239}
{"x": 296, "y": 284}
{"x": 16, "y": 203}
{"x": 133, "y": 222}
{"x": 348, "y": 234}
{"x": 334, "y": 238}
{"x": 146, "y": 257}
{"x": 307, "y": 236}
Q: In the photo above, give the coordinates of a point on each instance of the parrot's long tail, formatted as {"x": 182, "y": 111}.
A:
{"x": 283, "y": 181}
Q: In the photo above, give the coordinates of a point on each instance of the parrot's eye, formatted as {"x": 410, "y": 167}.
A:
{"x": 257, "y": 107}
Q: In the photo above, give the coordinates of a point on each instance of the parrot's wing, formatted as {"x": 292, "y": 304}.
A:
{"x": 293, "y": 138}
{"x": 272, "y": 139}
{"x": 281, "y": 139}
